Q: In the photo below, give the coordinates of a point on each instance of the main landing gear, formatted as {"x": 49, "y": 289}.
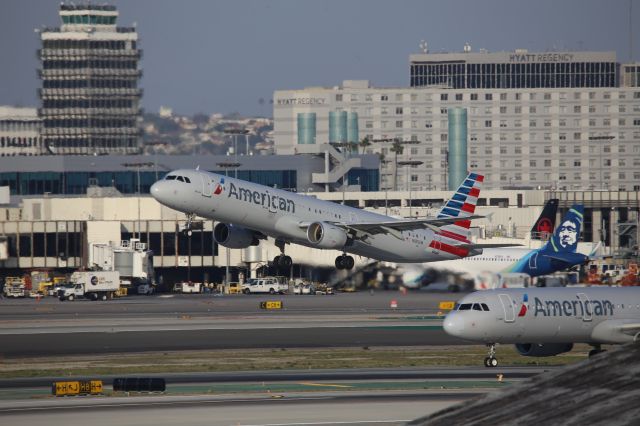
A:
{"x": 344, "y": 262}
{"x": 282, "y": 260}
{"x": 491, "y": 360}
{"x": 596, "y": 351}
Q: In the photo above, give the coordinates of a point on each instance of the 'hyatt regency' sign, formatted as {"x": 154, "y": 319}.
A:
{"x": 541, "y": 57}
{"x": 300, "y": 101}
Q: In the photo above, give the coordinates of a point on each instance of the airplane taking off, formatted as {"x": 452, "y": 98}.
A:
{"x": 248, "y": 212}
{"x": 547, "y": 321}
{"x": 558, "y": 254}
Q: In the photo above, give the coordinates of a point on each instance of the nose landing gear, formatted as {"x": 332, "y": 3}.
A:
{"x": 187, "y": 226}
{"x": 344, "y": 262}
{"x": 491, "y": 360}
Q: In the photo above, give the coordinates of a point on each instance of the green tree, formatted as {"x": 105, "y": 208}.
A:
{"x": 397, "y": 148}
{"x": 364, "y": 143}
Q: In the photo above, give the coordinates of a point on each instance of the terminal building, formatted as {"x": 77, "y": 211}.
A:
{"x": 561, "y": 120}
{"x": 90, "y": 100}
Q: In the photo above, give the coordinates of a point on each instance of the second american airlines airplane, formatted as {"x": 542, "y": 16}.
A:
{"x": 248, "y": 212}
{"x": 547, "y": 321}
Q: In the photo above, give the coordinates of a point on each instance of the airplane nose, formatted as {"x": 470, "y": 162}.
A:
{"x": 454, "y": 325}
{"x": 157, "y": 191}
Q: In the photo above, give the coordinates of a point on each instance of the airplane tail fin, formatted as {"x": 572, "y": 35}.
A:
{"x": 546, "y": 222}
{"x": 462, "y": 204}
{"x": 565, "y": 238}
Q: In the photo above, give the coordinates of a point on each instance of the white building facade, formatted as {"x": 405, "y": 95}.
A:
{"x": 574, "y": 138}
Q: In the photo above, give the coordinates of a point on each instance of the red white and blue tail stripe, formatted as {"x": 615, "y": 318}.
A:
{"x": 462, "y": 204}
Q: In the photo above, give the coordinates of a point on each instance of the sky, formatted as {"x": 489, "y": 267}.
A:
{"x": 223, "y": 56}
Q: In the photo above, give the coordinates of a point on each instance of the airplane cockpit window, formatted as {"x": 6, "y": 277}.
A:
{"x": 484, "y": 307}
{"x": 180, "y": 178}
{"x": 186, "y": 179}
{"x": 476, "y": 307}
{"x": 170, "y": 177}
{"x": 464, "y": 307}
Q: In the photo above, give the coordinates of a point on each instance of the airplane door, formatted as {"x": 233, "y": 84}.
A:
{"x": 207, "y": 185}
{"x": 587, "y": 311}
{"x": 507, "y": 306}
{"x": 533, "y": 260}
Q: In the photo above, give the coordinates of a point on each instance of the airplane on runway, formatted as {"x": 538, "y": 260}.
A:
{"x": 558, "y": 254}
{"x": 547, "y": 321}
{"x": 248, "y": 212}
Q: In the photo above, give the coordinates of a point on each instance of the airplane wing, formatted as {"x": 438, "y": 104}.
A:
{"x": 396, "y": 226}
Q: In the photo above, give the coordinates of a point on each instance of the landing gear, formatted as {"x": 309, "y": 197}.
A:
{"x": 282, "y": 260}
{"x": 344, "y": 262}
{"x": 187, "y": 226}
{"x": 596, "y": 351}
{"x": 491, "y": 360}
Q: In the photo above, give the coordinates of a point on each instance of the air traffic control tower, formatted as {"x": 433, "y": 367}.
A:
{"x": 90, "y": 100}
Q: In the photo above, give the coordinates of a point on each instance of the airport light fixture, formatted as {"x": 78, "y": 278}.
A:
{"x": 408, "y": 164}
{"x": 138, "y": 166}
{"x": 226, "y": 165}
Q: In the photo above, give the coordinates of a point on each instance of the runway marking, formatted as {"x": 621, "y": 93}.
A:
{"x": 325, "y": 385}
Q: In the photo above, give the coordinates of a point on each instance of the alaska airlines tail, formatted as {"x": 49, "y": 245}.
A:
{"x": 546, "y": 222}
{"x": 462, "y": 204}
{"x": 565, "y": 239}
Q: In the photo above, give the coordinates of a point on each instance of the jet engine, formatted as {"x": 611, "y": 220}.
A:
{"x": 543, "y": 349}
{"x": 235, "y": 237}
{"x": 326, "y": 236}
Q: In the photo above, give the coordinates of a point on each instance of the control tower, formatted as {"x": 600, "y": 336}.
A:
{"x": 90, "y": 100}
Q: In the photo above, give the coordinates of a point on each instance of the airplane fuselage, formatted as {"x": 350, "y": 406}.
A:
{"x": 540, "y": 315}
{"x": 285, "y": 215}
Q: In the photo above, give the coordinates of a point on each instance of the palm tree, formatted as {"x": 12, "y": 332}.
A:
{"x": 396, "y": 148}
{"x": 364, "y": 143}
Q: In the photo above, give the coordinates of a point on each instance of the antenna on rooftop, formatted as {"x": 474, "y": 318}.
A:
{"x": 424, "y": 46}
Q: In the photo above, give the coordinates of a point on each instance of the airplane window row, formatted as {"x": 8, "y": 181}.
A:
{"x": 180, "y": 178}
{"x": 473, "y": 306}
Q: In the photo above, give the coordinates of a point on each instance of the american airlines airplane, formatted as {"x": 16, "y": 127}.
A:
{"x": 248, "y": 212}
{"x": 556, "y": 255}
{"x": 547, "y": 321}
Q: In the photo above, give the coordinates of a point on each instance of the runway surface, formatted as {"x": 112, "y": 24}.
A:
{"x": 192, "y": 322}
{"x": 291, "y": 409}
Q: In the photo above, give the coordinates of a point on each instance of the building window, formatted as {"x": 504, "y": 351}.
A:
{"x": 487, "y": 123}
{"x": 443, "y": 110}
{"x": 503, "y": 97}
{"x": 399, "y": 124}
{"x": 339, "y": 98}
{"x": 444, "y": 97}
{"x": 399, "y": 110}
{"x": 503, "y": 110}
{"x": 474, "y": 96}
{"x": 488, "y": 97}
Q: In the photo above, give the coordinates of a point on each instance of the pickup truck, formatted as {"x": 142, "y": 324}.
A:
{"x": 265, "y": 285}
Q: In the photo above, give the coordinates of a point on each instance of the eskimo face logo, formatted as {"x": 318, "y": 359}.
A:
{"x": 568, "y": 234}
{"x": 219, "y": 188}
{"x": 94, "y": 280}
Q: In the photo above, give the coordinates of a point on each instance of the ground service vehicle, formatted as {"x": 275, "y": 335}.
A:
{"x": 94, "y": 285}
{"x": 265, "y": 285}
{"x": 14, "y": 287}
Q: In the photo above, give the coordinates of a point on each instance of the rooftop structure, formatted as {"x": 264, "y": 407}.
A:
{"x": 513, "y": 70}
{"x": 19, "y": 132}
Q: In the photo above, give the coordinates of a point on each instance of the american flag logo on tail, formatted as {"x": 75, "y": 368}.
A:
{"x": 462, "y": 204}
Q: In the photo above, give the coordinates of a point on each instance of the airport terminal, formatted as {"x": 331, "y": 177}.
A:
{"x": 521, "y": 166}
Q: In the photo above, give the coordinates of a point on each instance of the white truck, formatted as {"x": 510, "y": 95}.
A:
{"x": 270, "y": 285}
{"x": 93, "y": 285}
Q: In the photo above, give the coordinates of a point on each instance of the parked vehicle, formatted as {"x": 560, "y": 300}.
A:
{"x": 187, "y": 287}
{"x": 265, "y": 285}
{"x": 146, "y": 289}
{"x": 94, "y": 285}
{"x": 14, "y": 287}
